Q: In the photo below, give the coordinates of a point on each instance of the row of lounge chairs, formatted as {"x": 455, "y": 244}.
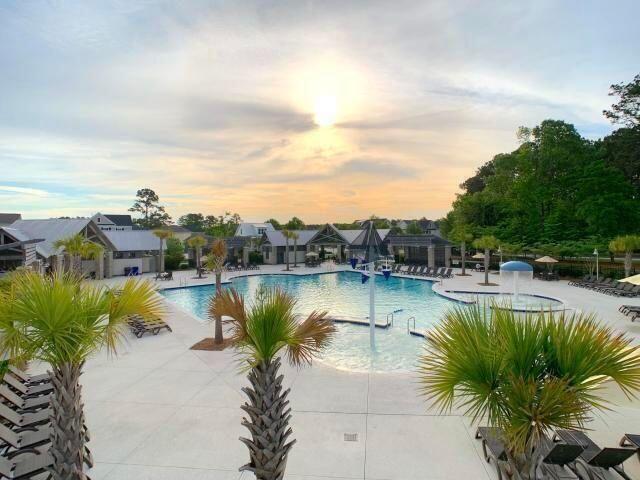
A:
{"x": 240, "y": 267}
{"x": 422, "y": 271}
{"x": 164, "y": 276}
{"x": 570, "y": 454}
{"x": 608, "y": 286}
{"x": 140, "y": 325}
{"x": 25, "y": 426}
{"x": 632, "y": 311}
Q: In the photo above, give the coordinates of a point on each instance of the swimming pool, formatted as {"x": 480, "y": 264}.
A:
{"x": 343, "y": 295}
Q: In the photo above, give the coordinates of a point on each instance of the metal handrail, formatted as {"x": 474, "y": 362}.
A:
{"x": 414, "y": 323}
{"x": 390, "y": 323}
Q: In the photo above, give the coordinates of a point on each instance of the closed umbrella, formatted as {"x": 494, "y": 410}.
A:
{"x": 635, "y": 279}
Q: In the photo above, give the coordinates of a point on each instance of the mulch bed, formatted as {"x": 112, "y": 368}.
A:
{"x": 209, "y": 345}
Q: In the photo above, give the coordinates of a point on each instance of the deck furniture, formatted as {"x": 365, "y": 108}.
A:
{"x": 20, "y": 420}
{"x": 631, "y": 440}
{"x": 24, "y": 404}
{"x": 14, "y": 443}
{"x": 27, "y": 391}
{"x": 27, "y": 467}
{"x": 446, "y": 273}
{"x": 29, "y": 379}
{"x": 493, "y": 447}
{"x": 139, "y": 325}
{"x": 598, "y": 460}
{"x": 164, "y": 276}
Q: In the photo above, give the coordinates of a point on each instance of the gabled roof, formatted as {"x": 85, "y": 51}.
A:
{"x": 275, "y": 238}
{"x": 9, "y": 218}
{"x": 133, "y": 240}
{"x": 50, "y": 230}
{"x": 247, "y": 229}
{"x": 177, "y": 229}
{"x": 422, "y": 240}
{"x": 369, "y": 242}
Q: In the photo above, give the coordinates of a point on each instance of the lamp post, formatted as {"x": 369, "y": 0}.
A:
{"x": 500, "y": 253}
{"x": 595, "y": 252}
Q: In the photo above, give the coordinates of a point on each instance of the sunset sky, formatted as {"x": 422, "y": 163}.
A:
{"x": 327, "y": 110}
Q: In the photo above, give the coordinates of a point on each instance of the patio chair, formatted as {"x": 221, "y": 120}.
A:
{"x": 26, "y": 468}
{"x": 20, "y": 420}
{"x": 448, "y": 273}
{"x": 493, "y": 447}
{"x": 575, "y": 282}
{"x": 597, "y": 460}
{"x": 15, "y": 443}
{"x": 631, "y": 440}
{"x": 24, "y": 404}
{"x": 29, "y": 379}
{"x": 557, "y": 460}
{"x": 628, "y": 309}
{"x": 27, "y": 391}
{"x": 139, "y": 325}
{"x": 420, "y": 271}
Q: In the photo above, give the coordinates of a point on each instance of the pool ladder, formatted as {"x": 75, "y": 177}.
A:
{"x": 409, "y": 320}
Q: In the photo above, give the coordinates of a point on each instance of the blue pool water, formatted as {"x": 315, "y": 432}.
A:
{"x": 343, "y": 294}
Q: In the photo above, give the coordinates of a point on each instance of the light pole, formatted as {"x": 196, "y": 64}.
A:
{"x": 500, "y": 252}
{"x": 595, "y": 252}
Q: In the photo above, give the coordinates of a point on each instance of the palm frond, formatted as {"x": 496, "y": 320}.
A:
{"x": 309, "y": 338}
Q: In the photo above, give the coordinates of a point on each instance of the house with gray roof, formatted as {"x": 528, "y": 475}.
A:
{"x": 113, "y": 222}
{"x": 7, "y": 219}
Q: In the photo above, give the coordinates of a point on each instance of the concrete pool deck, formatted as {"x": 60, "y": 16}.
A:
{"x": 161, "y": 411}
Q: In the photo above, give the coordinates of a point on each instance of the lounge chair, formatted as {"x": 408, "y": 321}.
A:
{"x": 29, "y": 466}
{"x": 597, "y": 460}
{"x": 420, "y": 271}
{"x": 493, "y": 447}
{"x": 20, "y": 420}
{"x": 139, "y": 325}
{"x": 24, "y": 404}
{"x": 558, "y": 459}
{"x": 446, "y": 274}
{"x": 27, "y": 391}
{"x": 29, "y": 379}
{"x": 628, "y": 309}
{"x": 631, "y": 440}
{"x": 26, "y": 439}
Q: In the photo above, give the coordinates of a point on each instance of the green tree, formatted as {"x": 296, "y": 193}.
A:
{"x": 62, "y": 321}
{"x": 162, "y": 235}
{"x": 627, "y": 110}
{"x": 626, "y": 245}
{"x": 414, "y": 229}
{"x": 525, "y": 374}
{"x": 259, "y": 332}
{"x": 486, "y": 243}
{"x": 153, "y": 214}
{"x": 294, "y": 224}
{"x": 621, "y": 150}
{"x": 174, "y": 254}
{"x": 275, "y": 223}
{"x": 215, "y": 262}
{"x": 78, "y": 247}
{"x": 461, "y": 233}
{"x": 197, "y": 242}
{"x": 222, "y": 226}
{"x": 192, "y": 221}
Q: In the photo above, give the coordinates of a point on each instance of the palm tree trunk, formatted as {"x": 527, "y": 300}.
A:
{"x": 628, "y": 261}
{"x": 295, "y": 252}
{"x": 198, "y": 265}
{"x": 486, "y": 265}
{"x": 463, "y": 254}
{"x": 286, "y": 253}
{"x": 218, "y": 336}
{"x": 68, "y": 435}
{"x": 269, "y": 416}
{"x": 161, "y": 259}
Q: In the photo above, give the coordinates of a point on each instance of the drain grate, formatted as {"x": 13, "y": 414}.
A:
{"x": 350, "y": 437}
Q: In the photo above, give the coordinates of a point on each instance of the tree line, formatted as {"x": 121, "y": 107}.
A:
{"x": 558, "y": 188}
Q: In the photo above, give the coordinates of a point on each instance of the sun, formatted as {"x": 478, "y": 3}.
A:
{"x": 326, "y": 109}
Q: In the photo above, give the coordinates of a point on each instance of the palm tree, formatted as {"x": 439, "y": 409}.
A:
{"x": 527, "y": 375}
{"x": 61, "y": 321}
{"x": 295, "y": 237}
{"x": 625, "y": 244}
{"x": 79, "y": 247}
{"x": 486, "y": 243}
{"x": 462, "y": 234}
{"x": 259, "y": 332}
{"x": 215, "y": 262}
{"x": 197, "y": 242}
{"x": 287, "y": 235}
{"x": 162, "y": 234}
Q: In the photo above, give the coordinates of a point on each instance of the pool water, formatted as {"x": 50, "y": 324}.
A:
{"x": 343, "y": 295}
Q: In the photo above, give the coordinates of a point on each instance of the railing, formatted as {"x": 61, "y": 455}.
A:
{"x": 409, "y": 321}
{"x": 390, "y": 314}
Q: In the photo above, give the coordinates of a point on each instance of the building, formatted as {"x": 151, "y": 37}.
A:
{"x": 253, "y": 229}
{"x": 179, "y": 232}
{"x": 111, "y": 222}
{"x": 274, "y": 246}
{"x": 7, "y": 219}
{"x": 30, "y": 243}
